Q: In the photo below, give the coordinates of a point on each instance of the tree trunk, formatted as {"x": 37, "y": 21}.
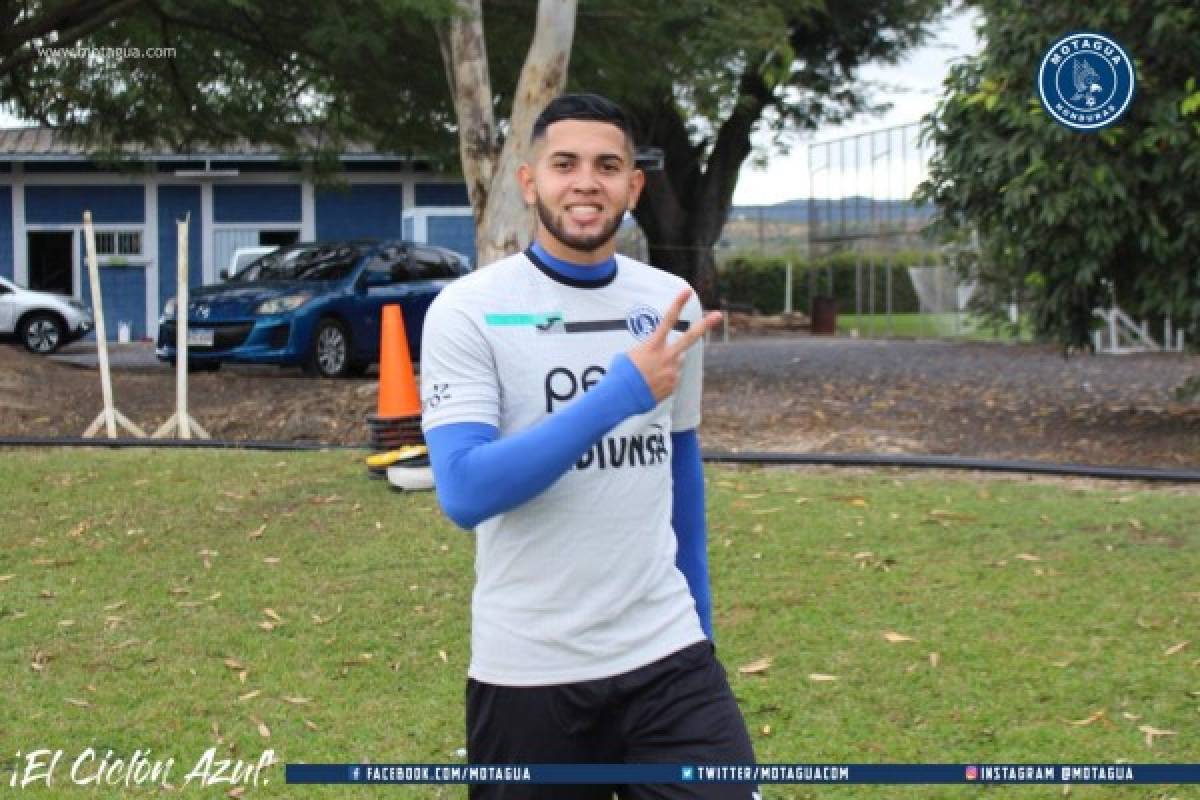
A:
{"x": 683, "y": 208}
{"x": 503, "y": 224}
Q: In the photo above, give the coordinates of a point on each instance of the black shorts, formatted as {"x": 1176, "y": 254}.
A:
{"x": 678, "y": 710}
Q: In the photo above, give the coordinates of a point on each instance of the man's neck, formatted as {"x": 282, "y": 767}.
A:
{"x": 582, "y": 275}
{"x": 579, "y": 258}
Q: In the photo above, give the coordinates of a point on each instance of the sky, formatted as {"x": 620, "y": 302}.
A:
{"x": 913, "y": 86}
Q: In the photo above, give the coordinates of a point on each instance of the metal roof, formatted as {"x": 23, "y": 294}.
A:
{"x": 49, "y": 144}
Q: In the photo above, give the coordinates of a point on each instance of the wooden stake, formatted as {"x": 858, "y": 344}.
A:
{"x": 181, "y": 420}
{"x": 109, "y": 416}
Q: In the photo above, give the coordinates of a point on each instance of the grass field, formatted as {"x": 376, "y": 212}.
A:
{"x": 173, "y": 601}
{"x": 925, "y": 326}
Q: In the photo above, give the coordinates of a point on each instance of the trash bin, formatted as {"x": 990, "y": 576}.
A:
{"x": 824, "y": 315}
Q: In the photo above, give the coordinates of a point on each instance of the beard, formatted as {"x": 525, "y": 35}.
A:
{"x": 585, "y": 243}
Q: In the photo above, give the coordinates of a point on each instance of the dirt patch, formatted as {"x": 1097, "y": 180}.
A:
{"x": 783, "y": 393}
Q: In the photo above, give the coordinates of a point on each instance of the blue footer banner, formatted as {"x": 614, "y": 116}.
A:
{"x": 744, "y": 773}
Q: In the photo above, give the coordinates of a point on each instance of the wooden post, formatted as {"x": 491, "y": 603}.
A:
{"x": 109, "y": 417}
{"x": 181, "y": 420}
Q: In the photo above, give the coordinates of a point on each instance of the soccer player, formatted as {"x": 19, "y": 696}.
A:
{"x": 561, "y": 393}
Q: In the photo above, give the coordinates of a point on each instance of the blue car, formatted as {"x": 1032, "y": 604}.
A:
{"x": 317, "y": 306}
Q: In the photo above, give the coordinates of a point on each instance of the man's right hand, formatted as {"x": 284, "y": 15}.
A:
{"x": 659, "y": 361}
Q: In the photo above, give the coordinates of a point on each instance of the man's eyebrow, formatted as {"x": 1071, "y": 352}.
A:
{"x": 602, "y": 157}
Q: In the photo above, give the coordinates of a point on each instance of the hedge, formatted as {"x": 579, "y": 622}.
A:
{"x": 758, "y": 281}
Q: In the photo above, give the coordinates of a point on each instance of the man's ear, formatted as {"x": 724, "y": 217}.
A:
{"x": 637, "y": 181}
{"x": 526, "y": 182}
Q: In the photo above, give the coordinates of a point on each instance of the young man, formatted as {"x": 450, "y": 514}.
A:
{"x": 561, "y": 392}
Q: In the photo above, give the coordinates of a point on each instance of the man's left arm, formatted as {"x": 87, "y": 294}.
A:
{"x": 687, "y": 518}
{"x": 687, "y": 474}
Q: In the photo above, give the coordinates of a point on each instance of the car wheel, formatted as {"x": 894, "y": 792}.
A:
{"x": 330, "y": 356}
{"x": 41, "y": 333}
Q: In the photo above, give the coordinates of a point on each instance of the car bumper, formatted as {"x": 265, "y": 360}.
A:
{"x": 77, "y": 330}
{"x": 261, "y": 341}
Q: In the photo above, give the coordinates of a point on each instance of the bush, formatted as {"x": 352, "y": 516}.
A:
{"x": 758, "y": 281}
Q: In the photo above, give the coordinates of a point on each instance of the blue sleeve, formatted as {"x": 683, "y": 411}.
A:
{"x": 687, "y": 518}
{"x": 478, "y": 475}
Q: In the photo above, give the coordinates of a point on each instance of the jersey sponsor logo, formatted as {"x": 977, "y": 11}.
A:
{"x": 642, "y": 321}
{"x": 562, "y": 385}
{"x": 634, "y": 450}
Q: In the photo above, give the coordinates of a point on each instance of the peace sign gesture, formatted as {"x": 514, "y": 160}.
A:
{"x": 660, "y": 362}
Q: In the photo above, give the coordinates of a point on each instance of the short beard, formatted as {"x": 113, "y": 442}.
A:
{"x": 584, "y": 244}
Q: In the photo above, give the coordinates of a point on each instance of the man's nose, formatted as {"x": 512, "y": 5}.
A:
{"x": 586, "y": 180}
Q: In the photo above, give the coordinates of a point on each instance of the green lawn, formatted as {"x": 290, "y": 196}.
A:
{"x": 179, "y": 600}
{"x": 937, "y": 326}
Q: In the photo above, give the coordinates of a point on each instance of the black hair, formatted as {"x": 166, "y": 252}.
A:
{"x": 583, "y": 106}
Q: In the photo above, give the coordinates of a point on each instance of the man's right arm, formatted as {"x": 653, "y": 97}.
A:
{"x": 478, "y": 475}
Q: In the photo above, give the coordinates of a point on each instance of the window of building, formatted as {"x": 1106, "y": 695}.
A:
{"x": 118, "y": 243}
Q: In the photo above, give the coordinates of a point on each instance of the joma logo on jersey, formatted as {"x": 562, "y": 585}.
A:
{"x": 642, "y": 321}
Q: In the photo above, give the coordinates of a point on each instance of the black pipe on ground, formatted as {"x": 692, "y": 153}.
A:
{"x": 763, "y": 458}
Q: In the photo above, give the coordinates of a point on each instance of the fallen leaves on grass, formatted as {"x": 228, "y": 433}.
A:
{"x": 263, "y": 730}
{"x": 1152, "y": 733}
{"x": 72, "y": 701}
{"x": 897, "y": 638}
{"x": 250, "y": 695}
{"x": 296, "y": 701}
{"x": 1096, "y": 716}
{"x": 257, "y": 532}
{"x": 821, "y": 677}
{"x": 756, "y": 667}
{"x": 41, "y": 660}
{"x": 1027, "y": 557}
{"x": 934, "y": 660}
{"x": 1175, "y": 648}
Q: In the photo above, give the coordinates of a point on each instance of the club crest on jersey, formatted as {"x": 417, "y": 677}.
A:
{"x": 642, "y": 321}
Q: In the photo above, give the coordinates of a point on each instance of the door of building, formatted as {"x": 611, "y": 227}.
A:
{"x": 51, "y": 267}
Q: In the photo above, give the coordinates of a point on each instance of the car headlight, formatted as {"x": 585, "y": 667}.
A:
{"x": 169, "y": 308}
{"x": 284, "y": 304}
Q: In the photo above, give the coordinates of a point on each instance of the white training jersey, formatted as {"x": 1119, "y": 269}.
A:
{"x": 580, "y": 582}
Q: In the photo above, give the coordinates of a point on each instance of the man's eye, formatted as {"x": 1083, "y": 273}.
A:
{"x": 561, "y": 164}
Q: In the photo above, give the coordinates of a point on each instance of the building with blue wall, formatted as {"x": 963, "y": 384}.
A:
{"x": 237, "y": 197}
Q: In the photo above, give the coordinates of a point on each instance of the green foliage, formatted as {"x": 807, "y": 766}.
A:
{"x": 1069, "y": 221}
{"x": 760, "y": 281}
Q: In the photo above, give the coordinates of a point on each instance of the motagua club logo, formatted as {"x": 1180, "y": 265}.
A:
{"x": 1086, "y": 81}
{"x": 642, "y": 321}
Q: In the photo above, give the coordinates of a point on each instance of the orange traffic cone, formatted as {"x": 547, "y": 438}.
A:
{"x": 398, "y": 396}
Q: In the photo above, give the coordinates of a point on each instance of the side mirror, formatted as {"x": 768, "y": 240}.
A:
{"x": 224, "y": 274}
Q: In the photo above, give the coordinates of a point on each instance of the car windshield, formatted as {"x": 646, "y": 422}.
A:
{"x": 311, "y": 263}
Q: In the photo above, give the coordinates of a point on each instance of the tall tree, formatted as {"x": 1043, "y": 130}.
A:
{"x": 489, "y": 162}
{"x": 728, "y": 71}
{"x": 1073, "y": 221}
{"x": 28, "y": 26}
{"x": 700, "y": 77}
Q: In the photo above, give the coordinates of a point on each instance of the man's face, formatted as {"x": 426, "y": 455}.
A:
{"x": 581, "y": 179}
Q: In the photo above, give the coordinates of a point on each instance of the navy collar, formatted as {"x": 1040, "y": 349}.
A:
{"x": 585, "y": 276}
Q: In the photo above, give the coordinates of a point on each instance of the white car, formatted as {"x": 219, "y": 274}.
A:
{"x": 43, "y": 321}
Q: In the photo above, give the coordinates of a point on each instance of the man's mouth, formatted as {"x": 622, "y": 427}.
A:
{"x": 584, "y": 213}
